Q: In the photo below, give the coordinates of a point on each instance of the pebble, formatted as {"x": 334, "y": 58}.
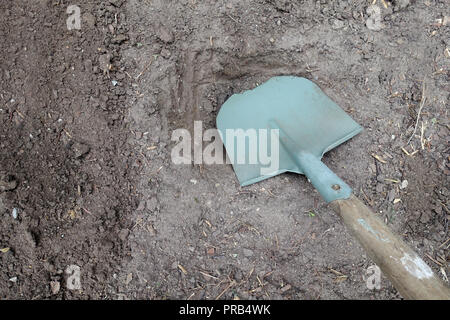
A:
{"x": 404, "y": 184}
{"x": 15, "y": 213}
{"x": 211, "y": 251}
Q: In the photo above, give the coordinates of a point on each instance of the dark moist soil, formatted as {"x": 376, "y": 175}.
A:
{"x": 63, "y": 150}
{"x": 86, "y": 176}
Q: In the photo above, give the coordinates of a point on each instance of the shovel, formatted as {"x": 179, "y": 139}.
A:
{"x": 293, "y": 121}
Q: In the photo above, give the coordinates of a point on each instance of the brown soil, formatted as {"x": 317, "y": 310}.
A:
{"x": 85, "y": 142}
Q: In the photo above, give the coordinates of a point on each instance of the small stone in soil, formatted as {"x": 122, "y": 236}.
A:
{"x": 404, "y": 184}
{"x": 15, "y": 213}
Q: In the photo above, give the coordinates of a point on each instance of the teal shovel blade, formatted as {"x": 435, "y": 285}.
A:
{"x": 299, "y": 124}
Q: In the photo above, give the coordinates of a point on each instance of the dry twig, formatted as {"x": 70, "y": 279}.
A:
{"x": 422, "y": 103}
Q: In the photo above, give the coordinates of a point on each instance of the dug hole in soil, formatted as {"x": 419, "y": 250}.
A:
{"x": 88, "y": 187}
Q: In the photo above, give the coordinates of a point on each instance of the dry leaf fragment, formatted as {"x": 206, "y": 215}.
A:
{"x": 392, "y": 180}
{"x": 208, "y": 223}
{"x": 129, "y": 278}
{"x": 378, "y": 158}
{"x": 182, "y": 269}
{"x": 72, "y": 214}
{"x": 340, "y": 279}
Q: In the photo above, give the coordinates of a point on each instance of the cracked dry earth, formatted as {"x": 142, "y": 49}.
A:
{"x": 87, "y": 118}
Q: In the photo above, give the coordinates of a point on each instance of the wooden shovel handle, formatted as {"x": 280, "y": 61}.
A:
{"x": 409, "y": 274}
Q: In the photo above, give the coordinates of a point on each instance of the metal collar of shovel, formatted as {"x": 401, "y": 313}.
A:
{"x": 307, "y": 124}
